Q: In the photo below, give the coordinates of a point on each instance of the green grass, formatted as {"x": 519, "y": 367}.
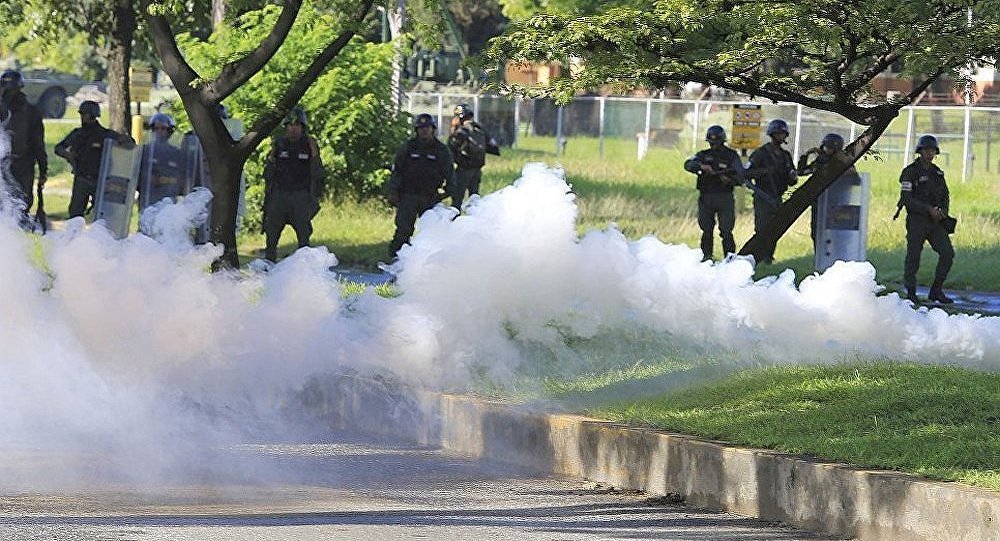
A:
{"x": 653, "y": 197}
{"x": 935, "y": 421}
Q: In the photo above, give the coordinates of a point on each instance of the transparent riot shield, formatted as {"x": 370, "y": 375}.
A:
{"x": 842, "y": 220}
{"x": 116, "y": 185}
{"x": 201, "y": 176}
{"x": 164, "y": 173}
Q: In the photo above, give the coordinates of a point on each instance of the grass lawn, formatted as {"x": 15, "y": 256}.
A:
{"x": 941, "y": 422}
{"x": 656, "y": 197}
{"x": 936, "y": 421}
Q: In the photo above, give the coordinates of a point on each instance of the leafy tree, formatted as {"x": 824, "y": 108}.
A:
{"x": 201, "y": 93}
{"x": 349, "y": 110}
{"x": 520, "y": 9}
{"x": 822, "y": 54}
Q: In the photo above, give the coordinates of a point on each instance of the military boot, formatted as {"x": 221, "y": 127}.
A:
{"x": 937, "y": 294}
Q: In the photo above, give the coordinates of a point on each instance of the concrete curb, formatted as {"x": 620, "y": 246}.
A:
{"x": 829, "y": 498}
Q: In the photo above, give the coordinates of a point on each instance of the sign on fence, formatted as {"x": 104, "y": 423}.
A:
{"x": 746, "y": 126}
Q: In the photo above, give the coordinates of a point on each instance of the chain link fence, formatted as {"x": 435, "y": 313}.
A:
{"x": 966, "y": 134}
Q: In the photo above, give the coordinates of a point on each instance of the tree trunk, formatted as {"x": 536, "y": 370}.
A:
{"x": 226, "y": 171}
{"x": 218, "y": 12}
{"x": 119, "y": 59}
{"x": 764, "y": 241}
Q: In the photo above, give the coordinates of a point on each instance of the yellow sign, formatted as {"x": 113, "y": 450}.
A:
{"x": 140, "y": 83}
{"x": 746, "y": 126}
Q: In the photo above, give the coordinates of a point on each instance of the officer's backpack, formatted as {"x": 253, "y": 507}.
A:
{"x": 469, "y": 146}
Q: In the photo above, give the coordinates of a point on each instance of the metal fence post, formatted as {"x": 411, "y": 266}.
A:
{"x": 517, "y": 122}
{"x": 909, "y": 133}
{"x": 440, "y": 114}
{"x": 798, "y": 130}
{"x": 966, "y": 154}
{"x": 600, "y": 127}
{"x": 559, "y": 130}
{"x": 694, "y": 127}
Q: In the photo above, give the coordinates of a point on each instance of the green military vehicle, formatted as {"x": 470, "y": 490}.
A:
{"x": 46, "y": 88}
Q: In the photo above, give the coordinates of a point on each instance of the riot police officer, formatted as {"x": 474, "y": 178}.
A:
{"x": 27, "y": 140}
{"x": 469, "y": 143}
{"x": 293, "y": 177}
{"x": 422, "y": 166}
{"x": 831, "y": 144}
{"x": 163, "y": 173}
{"x": 924, "y": 193}
{"x": 774, "y": 172}
{"x": 719, "y": 169}
{"x": 83, "y": 149}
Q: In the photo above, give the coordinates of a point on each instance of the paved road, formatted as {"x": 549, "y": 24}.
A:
{"x": 356, "y": 489}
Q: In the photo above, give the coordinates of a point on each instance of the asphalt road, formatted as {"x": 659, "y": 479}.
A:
{"x": 350, "y": 489}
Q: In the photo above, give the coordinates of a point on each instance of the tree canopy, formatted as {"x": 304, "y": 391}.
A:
{"x": 822, "y": 54}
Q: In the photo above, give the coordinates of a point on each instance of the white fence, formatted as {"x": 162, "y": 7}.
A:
{"x": 964, "y": 132}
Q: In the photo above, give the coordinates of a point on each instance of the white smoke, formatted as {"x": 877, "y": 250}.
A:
{"x": 133, "y": 346}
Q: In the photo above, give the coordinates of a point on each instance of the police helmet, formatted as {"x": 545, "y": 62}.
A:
{"x": 777, "y": 126}
{"x": 90, "y": 107}
{"x": 423, "y": 120}
{"x": 162, "y": 119}
{"x": 296, "y": 115}
{"x": 715, "y": 134}
{"x": 223, "y": 112}
{"x": 833, "y": 141}
{"x": 928, "y": 141}
{"x": 463, "y": 111}
{"x": 11, "y": 79}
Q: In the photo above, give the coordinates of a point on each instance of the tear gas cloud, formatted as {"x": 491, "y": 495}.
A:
{"x": 131, "y": 347}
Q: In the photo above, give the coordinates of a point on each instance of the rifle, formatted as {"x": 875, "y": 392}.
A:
{"x": 759, "y": 192}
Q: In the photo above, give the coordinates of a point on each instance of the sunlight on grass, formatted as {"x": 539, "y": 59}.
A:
{"x": 930, "y": 420}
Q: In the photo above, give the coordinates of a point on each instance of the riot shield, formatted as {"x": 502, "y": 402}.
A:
{"x": 163, "y": 174}
{"x": 116, "y": 185}
{"x": 842, "y": 220}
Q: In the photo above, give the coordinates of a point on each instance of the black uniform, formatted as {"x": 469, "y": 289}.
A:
{"x": 773, "y": 171}
{"x": 420, "y": 170}
{"x": 469, "y": 144}
{"x": 27, "y": 147}
{"x": 921, "y": 189}
{"x": 83, "y": 148}
{"x": 293, "y": 175}
{"x": 715, "y": 197}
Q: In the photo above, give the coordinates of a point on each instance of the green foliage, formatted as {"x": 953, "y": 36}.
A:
{"x": 813, "y": 52}
{"x": 349, "y": 108}
{"x": 520, "y": 9}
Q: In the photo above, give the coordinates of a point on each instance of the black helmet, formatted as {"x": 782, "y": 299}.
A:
{"x": 297, "y": 115}
{"x": 163, "y": 119}
{"x": 423, "y": 120}
{"x": 463, "y": 111}
{"x": 90, "y": 107}
{"x": 715, "y": 133}
{"x": 777, "y": 126}
{"x": 223, "y": 112}
{"x": 11, "y": 79}
{"x": 833, "y": 141}
{"x": 928, "y": 141}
